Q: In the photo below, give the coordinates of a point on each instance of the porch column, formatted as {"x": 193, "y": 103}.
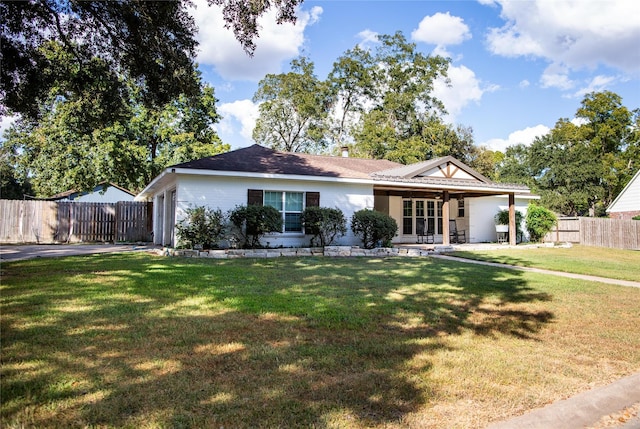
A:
{"x": 166, "y": 227}
{"x": 445, "y": 218}
{"x": 512, "y": 219}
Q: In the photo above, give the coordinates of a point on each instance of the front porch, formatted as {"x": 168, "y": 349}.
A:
{"x": 423, "y": 217}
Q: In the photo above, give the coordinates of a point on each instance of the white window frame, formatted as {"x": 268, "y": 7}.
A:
{"x": 283, "y": 211}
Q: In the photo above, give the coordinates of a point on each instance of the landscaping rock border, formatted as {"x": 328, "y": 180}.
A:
{"x": 329, "y": 251}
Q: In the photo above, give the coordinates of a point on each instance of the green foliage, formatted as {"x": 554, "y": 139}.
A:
{"x": 373, "y": 227}
{"x": 63, "y": 151}
{"x": 324, "y": 223}
{"x": 150, "y": 42}
{"x": 202, "y": 226}
{"x": 293, "y": 110}
{"x": 14, "y": 185}
{"x": 252, "y": 222}
{"x": 540, "y": 222}
{"x": 502, "y": 218}
{"x": 580, "y": 169}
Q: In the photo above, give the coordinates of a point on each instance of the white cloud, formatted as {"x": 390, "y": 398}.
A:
{"x": 525, "y": 137}
{"x": 556, "y": 76}
{"x": 524, "y": 83}
{"x": 367, "y": 39}
{"x": 597, "y": 84}
{"x": 441, "y": 29}
{"x": 242, "y": 114}
{"x": 464, "y": 88}
{"x": 577, "y": 33}
{"x": 276, "y": 44}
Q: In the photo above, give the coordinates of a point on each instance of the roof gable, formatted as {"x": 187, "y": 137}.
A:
{"x": 629, "y": 198}
{"x": 439, "y": 168}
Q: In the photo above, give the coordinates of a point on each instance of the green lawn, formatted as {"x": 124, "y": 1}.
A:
{"x": 132, "y": 340}
{"x": 595, "y": 261}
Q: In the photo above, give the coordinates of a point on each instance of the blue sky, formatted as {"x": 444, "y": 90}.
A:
{"x": 517, "y": 66}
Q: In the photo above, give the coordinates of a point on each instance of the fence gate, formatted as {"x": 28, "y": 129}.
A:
{"x": 72, "y": 222}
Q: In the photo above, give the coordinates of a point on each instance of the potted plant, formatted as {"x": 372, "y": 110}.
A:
{"x": 502, "y": 221}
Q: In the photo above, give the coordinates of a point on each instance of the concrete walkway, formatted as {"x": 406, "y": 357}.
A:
{"x": 583, "y": 410}
{"x": 542, "y": 271}
{"x": 10, "y": 252}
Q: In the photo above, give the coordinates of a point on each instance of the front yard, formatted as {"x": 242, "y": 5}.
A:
{"x": 132, "y": 340}
{"x": 595, "y": 261}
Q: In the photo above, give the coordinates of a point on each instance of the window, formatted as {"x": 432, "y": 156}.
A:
{"x": 434, "y": 216}
{"x": 461, "y": 207}
{"x": 290, "y": 204}
{"x": 407, "y": 217}
{"x": 420, "y": 224}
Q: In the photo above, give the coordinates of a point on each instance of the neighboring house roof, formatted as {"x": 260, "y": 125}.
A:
{"x": 629, "y": 198}
{"x": 99, "y": 188}
{"x": 260, "y": 162}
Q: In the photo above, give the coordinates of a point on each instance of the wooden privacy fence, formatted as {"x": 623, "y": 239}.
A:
{"x": 71, "y": 222}
{"x": 601, "y": 232}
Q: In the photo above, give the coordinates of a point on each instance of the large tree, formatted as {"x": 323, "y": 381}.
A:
{"x": 388, "y": 95}
{"x": 59, "y": 151}
{"x": 149, "y": 42}
{"x": 579, "y": 167}
{"x": 293, "y": 109}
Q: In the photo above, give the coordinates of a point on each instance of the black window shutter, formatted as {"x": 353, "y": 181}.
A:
{"x": 254, "y": 197}
{"x": 313, "y": 199}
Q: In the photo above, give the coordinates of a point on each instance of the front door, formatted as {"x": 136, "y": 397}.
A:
{"x": 418, "y": 213}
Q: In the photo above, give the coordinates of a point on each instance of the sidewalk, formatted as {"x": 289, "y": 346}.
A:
{"x": 540, "y": 270}
{"x": 583, "y": 410}
{"x": 11, "y": 252}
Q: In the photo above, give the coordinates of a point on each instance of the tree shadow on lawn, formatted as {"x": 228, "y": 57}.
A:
{"x": 262, "y": 343}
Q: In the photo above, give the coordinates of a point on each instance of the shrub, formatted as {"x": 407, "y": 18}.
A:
{"x": 540, "y": 221}
{"x": 202, "y": 226}
{"x": 324, "y": 223}
{"x": 373, "y": 227}
{"x": 502, "y": 218}
{"x": 635, "y": 218}
{"x": 252, "y": 222}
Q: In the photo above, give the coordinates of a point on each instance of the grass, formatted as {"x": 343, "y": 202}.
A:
{"x": 132, "y": 340}
{"x": 595, "y": 261}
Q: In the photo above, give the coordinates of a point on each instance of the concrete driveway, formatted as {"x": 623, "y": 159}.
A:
{"x": 10, "y": 252}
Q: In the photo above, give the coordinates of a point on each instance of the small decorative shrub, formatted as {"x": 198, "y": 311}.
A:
{"x": 250, "y": 223}
{"x": 202, "y": 227}
{"x": 540, "y": 222}
{"x": 373, "y": 227}
{"x": 324, "y": 223}
{"x": 635, "y": 218}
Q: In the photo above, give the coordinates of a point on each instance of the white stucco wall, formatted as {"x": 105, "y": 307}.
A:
{"x": 225, "y": 193}
{"x": 481, "y": 212}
